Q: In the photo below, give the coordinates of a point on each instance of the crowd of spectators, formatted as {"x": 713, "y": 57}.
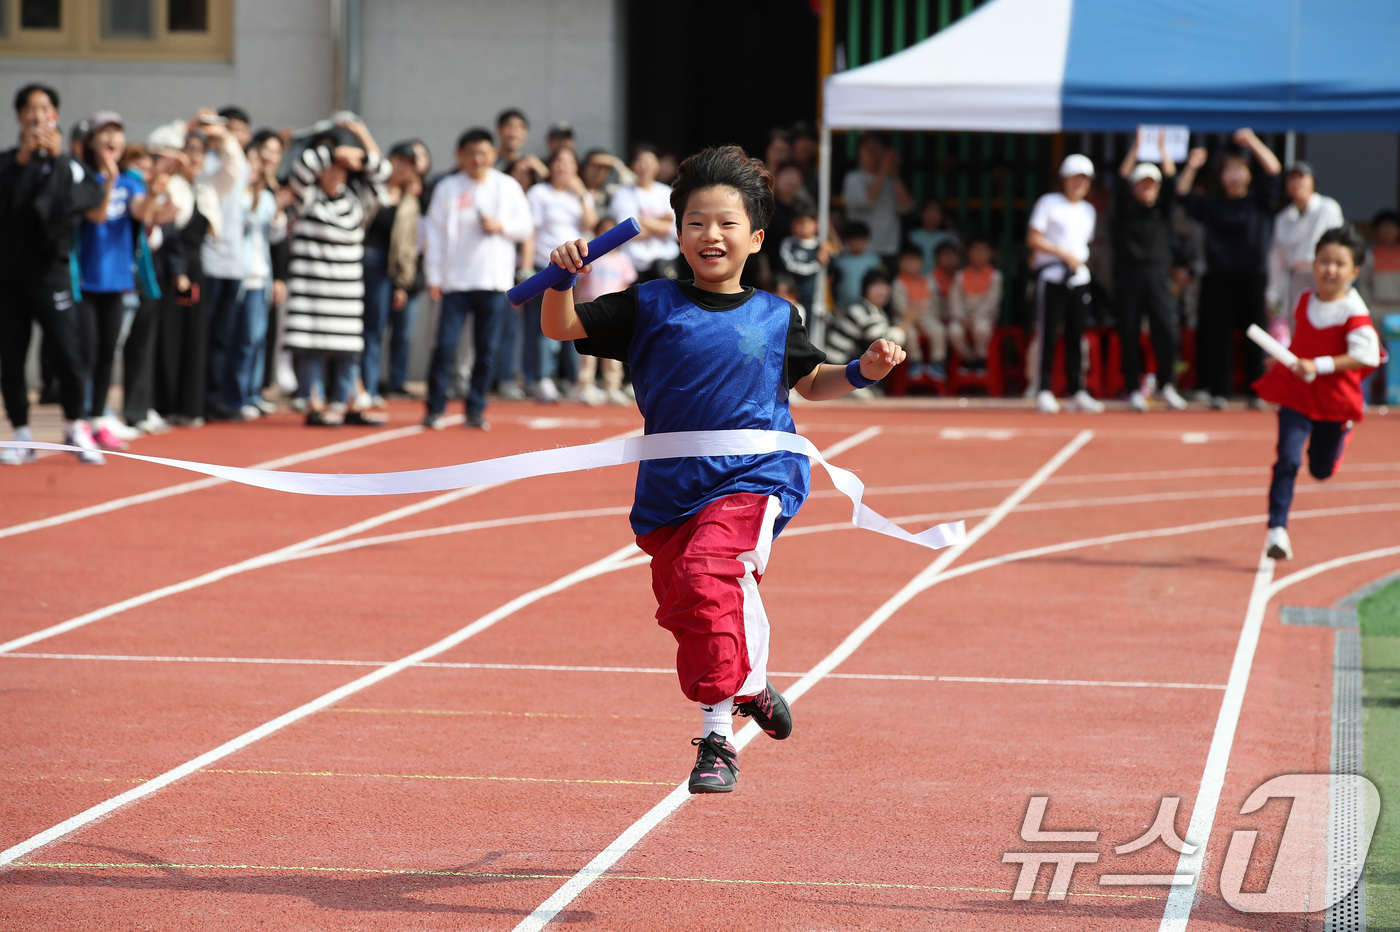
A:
{"x": 227, "y": 267}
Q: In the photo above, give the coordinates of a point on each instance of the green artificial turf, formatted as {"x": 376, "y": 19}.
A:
{"x": 1380, "y": 612}
{"x": 1380, "y": 716}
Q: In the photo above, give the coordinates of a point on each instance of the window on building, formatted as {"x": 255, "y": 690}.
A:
{"x": 188, "y": 16}
{"x": 40, "y": 14}
{"x": 171, "y": 30}
{"x": 126, "y": 19}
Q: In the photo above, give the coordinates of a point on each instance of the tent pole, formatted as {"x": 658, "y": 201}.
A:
{"x": 815, "y": 323}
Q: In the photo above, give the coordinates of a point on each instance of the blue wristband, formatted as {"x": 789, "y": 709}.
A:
{"x": 567, "y": 283}
{"x": 854, "y": 376}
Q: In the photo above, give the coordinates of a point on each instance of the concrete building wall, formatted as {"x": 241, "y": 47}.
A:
{"x": 282, "y": 72}
{"x": 432, "y": 68}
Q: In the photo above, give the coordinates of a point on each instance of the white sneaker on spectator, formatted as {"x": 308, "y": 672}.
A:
{"x": 1137, "y": 401}
{"x": 1045, "y": 402}
{"x": 619, "y": 397}
{"x": 573, "y": 393}
{"x": 250, "y": 412}
{"x": 299, "y": 405}
{"x": 363, "y": 401}
{"x": 1280, "y": 547}
{"x": 116, "y": 428}
{"x": 593, "y": 396}
{"x": 80, "y": 435}
{"x": 546, "y": 391}
{"x": 512, "y": 391}
{"x": 1218, "y": 402}
{"x": 152, "y": 422}
{"x": 1200, "y": 395}
{"x": 10, "y": 456}
{"x": 1173, "y": 398}
{"x": 1086, "y": 403}
{"x": 265, "y": 406}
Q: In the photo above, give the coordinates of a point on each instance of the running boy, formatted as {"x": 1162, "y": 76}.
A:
{"x": 713, "y": 355}
{"x": 1335, "y": 344}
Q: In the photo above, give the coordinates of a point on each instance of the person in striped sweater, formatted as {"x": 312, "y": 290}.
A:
{"x": 334, "y": 187}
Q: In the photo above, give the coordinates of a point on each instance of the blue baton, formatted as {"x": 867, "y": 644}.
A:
{"x": 548, "y": 277}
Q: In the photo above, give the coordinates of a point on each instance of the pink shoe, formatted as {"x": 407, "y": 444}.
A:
{"x": 108, "y": 440}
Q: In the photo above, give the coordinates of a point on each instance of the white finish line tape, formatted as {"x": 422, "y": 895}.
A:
{"x": 557, "y": 461}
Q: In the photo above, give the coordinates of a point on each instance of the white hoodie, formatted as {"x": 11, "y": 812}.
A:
{"x": 458, "y": 254}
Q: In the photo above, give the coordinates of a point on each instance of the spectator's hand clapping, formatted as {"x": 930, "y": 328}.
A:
{"x": 1197, "y": 158}
{"x": 570, "y": 256}
{"x": 1243, "y": 136}
{"x": 883, "y": 355}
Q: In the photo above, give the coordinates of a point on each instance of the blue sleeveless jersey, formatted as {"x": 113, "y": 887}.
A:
{"x": 695, "y": 369}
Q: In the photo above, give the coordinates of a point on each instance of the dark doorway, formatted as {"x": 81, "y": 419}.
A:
{"x": 704, "y": 74}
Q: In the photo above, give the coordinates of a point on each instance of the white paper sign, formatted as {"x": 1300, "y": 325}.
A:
{"x": 1178, "y": 141}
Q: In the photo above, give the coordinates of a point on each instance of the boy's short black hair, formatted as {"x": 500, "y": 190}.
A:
{"x": 403, "y": 150}
{"x": 1348, "y": 236}
{"x": 803, "y": 210}
{"x": 909, "y": 249}
{"x": 856, "y": 229}
{"x": 597, "y": 150}
{"x": 475, "y": 134}
{"x": 22, "y": 95}
{"x": 873, "y": 277}
{"x": 784, "y": 281}
{"x": 873, "y": 136}
{"x": 947, "y": 245}
{"x": 508, "y": 113}
{"x": 235, "y": 113}
{"x": 1385, "y": 216}
{"x": 729, "y": 167}
{"x": 803, "y": 130}
{"x": 978, "y": 236}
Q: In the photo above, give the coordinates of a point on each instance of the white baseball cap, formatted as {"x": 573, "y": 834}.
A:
{"x": 1145, "y": 170}
{"x": 1076, "y": 165}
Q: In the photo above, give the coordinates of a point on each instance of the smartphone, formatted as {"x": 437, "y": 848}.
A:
{"x": 213, "y": 120}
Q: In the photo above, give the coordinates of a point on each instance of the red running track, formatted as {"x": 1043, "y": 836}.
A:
{"x": 464, "y": 792}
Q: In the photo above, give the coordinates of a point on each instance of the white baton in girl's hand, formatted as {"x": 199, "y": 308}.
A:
{"x": 1274, "y": 348}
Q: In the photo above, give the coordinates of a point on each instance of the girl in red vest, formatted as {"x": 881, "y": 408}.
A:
{"x": 1320, "y": 396}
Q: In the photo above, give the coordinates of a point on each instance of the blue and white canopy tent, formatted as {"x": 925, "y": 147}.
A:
{"x": 1041, "y": 66}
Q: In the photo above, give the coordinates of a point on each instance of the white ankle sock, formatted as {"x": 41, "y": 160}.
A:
{"x": 24, "y": 434}
{"x": 719, "y": 718}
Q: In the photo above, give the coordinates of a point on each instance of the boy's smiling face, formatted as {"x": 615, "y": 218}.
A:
{"x": 717, "y": 238}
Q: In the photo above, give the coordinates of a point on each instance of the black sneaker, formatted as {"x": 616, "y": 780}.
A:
{"x": 770, "y": 710}
{"x": 477, "y": 421}
{"x": 716, "y": 766}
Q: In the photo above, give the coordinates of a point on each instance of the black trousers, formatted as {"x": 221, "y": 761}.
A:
{"x": 103, "y": 312}
{"x": 1230, "y": 302}
{"x": 182, "y": 348}
{"x": 1058, "y": 305}
{"x": 49, "y": 303}
{"x": 139, "y": 363}
{"x": 1146, "y": 288}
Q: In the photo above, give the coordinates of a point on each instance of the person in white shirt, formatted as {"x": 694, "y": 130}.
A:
{"x": 476, "y": 219}
{"x": 649, "y": 201}
{"x": 561, "y": 209}
{"x": 1061, "y": 228}
{"x": 1297, "y": 229}
{"x": 875, "y": 195}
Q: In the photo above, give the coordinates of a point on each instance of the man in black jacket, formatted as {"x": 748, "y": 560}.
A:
{"x": 43, "y": 195}
{"x": 1142, "y": 227}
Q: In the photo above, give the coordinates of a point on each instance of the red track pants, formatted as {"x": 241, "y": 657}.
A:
{"x": 705, "y": 574}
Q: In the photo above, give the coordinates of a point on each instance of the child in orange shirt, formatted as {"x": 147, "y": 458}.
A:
{"x": 975, "y": 304}
{"x": 915, "y": 311}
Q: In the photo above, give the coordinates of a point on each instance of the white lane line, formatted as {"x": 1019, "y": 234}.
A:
{"x": 599, "y": 865}
{"x": 1094, "y": 479}
{"x": 841, "y": 446}
{"x": 94, "y": 813}
{"x": 1179, "y": 901}
{"x": 1320, "y": 568}
{"x": 282, "y": 554}
{"x": 170, "y": 491}
{"x": 561, "y": 668}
